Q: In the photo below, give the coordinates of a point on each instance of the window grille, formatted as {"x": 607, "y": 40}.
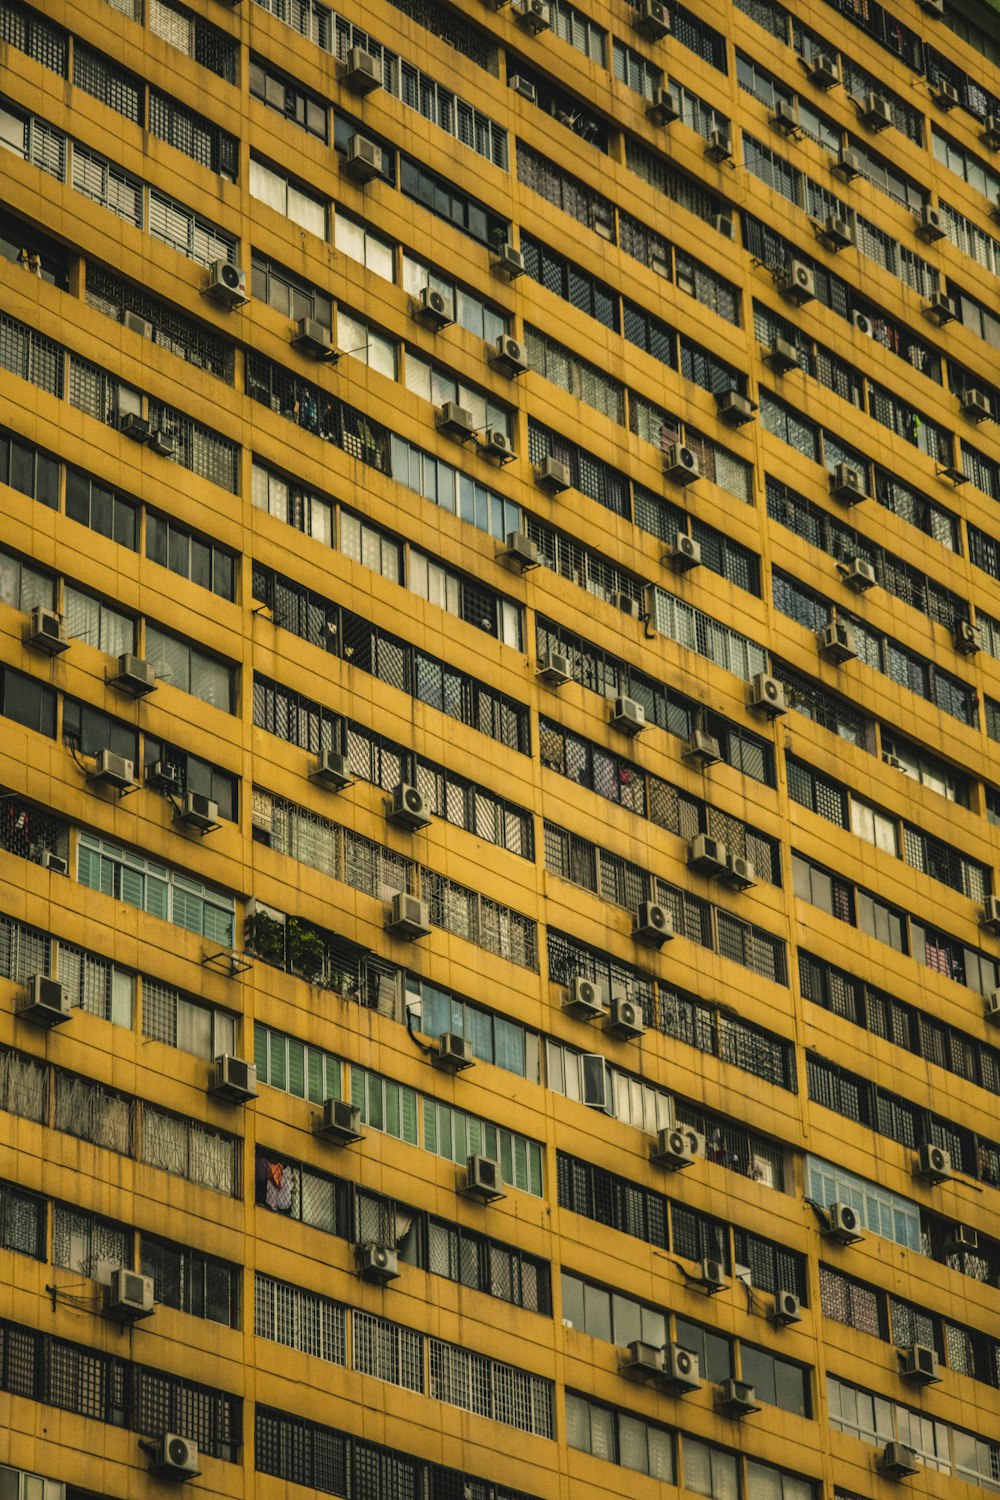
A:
{"x": 23, "y": 1086}
{"x": 302, "y": 1320}
{"x": 105, "y": 80}
{"x": 187, "y": 232}
{"x": 31, "y": 33}
{"x": 22, "y": 1222}
{"x": 31, "y": 356}
{"x": 87, "y": 1244}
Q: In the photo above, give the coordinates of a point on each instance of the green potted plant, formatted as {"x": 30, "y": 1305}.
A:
{"x": 306, "y": 952}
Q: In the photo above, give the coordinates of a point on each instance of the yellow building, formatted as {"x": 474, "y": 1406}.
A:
{"x": 499, "y": 589}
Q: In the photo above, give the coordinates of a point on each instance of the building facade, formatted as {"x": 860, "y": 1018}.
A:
{"x": 498, "y": 566}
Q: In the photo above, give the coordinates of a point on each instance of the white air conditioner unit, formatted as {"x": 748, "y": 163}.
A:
{"x": 554, "y": 475}
{"x": 897, "y": 1461}
{"x": 837, "y": 233}
{"x": 719, "y": 145}
{"x": 364, "y": 159}
{"x": 650, "y": 19}
{"x": 797, "y": 284}
{"x": 508, "y": 262}
{"x": 767, "y": 696}
{"x": 653, "y": 924}
{"x": 46, "y": 631}
{"x": 848, "y": 485}
{"x": 683, "y": 554}
{"x": 483, "y": 1180}
{"x": 787, "y": 1308}
{"x": 409, "y": 807}
{"x": 134, "y": 426}
{"x": 991, "y": 1007}
{"x": 520, "y": 551}
{"x": 681, "y": 1370}
{"x": 508, "y": 356}
{"x": 112, "y": 770}
{"x": 929, "y": 225}
{"x": 132, "y": 675}
{"x": 990, "y": 134}
{"x": 662, "y": 109}
{"x": 534, "y": 15}
{"x": 919, "y": 1364}
{"x": 433, "y": 309}
{"x": 233, "y": 1079}
{"x": 706, "y": 855}
{"x": 940, "y": 309}
{"x": 782, "y": 356}
{"x": 627, "y": 603}
{"x": 837, "y": 642}
{"x": 701, "y": 749}
{"x": 933, "y": 1164}
{"x": 628, "y": 716}
{"x": 162, "y": 442}
{"x": 824, "y": 71}
{"x": 313, "y": 338}
{"x": 847, "y": 164}
{"x": 409, "y": 917}
{"x": 786, "y": 116}
{"x": 340, "y": 1122}
{"x": 135, "y": 324}
{"x": 967, "y": 638}
{"x": 497, "y": 444}
{"x": 129, "y": 1296}
{"x": 676, "y": 1147}
{"x": 944, "y": 94}
{"x": 624, "y": 1019}
{"x": 585, "y": 998}
{"x": 361, "y": 71}
{"x": 456, "y": 422}
{"x": 164, "y": 776}
{"x": 332, "y": 770}
{"x": 524, "y": 87}
{"x": 49, "y": 860}
{"x": 863, "y": 324}
{"x": 197, "y": 811}
{"x": 642, "y": 1361}
{"x": 712, "y": 1276}
{"x": 680, "y": 464}
{"x": 377, "y": 1263}
{"x": 961, "y": 1240}
{"x": 174, "y": 1457}
{"x": 843, "y": 1224}
{"x": 737, "y": 1399}
{"x": 454, "y": 1053}
{"x": 227, "y": 284}
{"x": 43, "y": 1001}
{"x": 739, "y": 874}
{"x": 989, "y": 917}
{"x": 734, "y": 408}
{"x": 555, "y": 669}
{"x": 975, "y": 405}
{"x": 858, "y": 574}
{"x": 876, "y": 113}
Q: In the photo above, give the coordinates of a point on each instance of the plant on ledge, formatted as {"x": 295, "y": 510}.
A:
{"x": 306, "y": 950}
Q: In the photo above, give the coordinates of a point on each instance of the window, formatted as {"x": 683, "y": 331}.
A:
{"x": 191, "y": 670}
{"x": 454, "y": 1135}
{"x": 494, "y": 1038}
{"x": 434, "y": 383}
{"x": 360, "y": 341}
{"x": 188, "y": 131}
{"x": 448, "y": 202}
{"x": 287, "y": 198}
{"x": 187, "y": 232}
{"x": 155, "y": 889}
{"x": 87, "y": 1244}
{"x": 191, "y": 1281}
{"x": 620, "y": 1438}
{"x": 299, "y": 1319}
{"x": 205, "y": 563}
{"x": 27, "y": 701}
{"x": 98, "y": 624}
{"x": 187, "y": 1149}
{"x": 190, "y": 1025}
{"x": 288, "y": 98}
{"x": 611, "y": 1316}
{"x": 881, "y": 1212}
{"x": 199, "y": 39}
{"x": 578, "y": 377}
{"x": 30, "y": 470}
{"x": 469, "y": 310}
{"x": 361, "y": 244}
{"x": 22, "y": 1221}
{"x": 290, "y": 294}
{"x": 777, "y": 1382}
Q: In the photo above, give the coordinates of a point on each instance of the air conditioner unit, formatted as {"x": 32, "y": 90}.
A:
{"x": 520, "y": 551}
{"x": 43, "y": 1001}
{"x": 797, "y": 284}
{"x": 787, "y": 1309}
{"x": 824, "y": 71}
{"x": 409, "y": 807}
{"x": 643, "y": 1361}
{"x": 782, "y": 356}
{"x": 680, "y": 464}
{"x": 377, "y": 1263}
{"x": 701, "y": 749}
{"x": 706, "y": 855}
{"x": 508, "y": 356}
{"x": 174, "y": 1457}
{"x": 533, "y": 15}
{"x": 989, "y": 917}
{"x": 944, "y": 94}
{"x": 129, "y": 1296}
{"x": 786, "y": 116}
{"x": 662, "y": 109}
{"x": 497, "y": 444}
{"x": 897, "y": 1461}
{"x": 961, "y": 1240}
{"x": 227, "y": 284}
{"x": 133, "y": 675}
{"x": 361, "y": 71}
{"x": 739, "y": 874}
{"x": 653, "y": 924}
{"x": 508, "y": 262}
{"x": 162, "y": 442}
{"x": 142, "y": 326}
{"x": 837, "y": 233}
{"x": 627, "y": 603}
{"x": 975, "y": 405}
{"x": 858, "y": 574}
{"x": 482, "y": 1179}
{"x": 553, "y": 475}
{"x": 112, "y": 770}
{"x": 46, "y": 631}
{"x": 734, "y": 408}
{"x": 332, "y": 770}
{"x": 991, "y": 1007}
{"x": 929, "y": 226}
{"x": 676, "y": 1147}
{"x": 454, "y": 1053}
{"x": 524, "y": 87}
{"x": 625, "y": 1019}
{"x": 719, "y": 146}
{"x": 164, "y": 776}
{"x": 628, "y": 716}
{"x": 134, "y": 426}
{"x": 940, "y": 309}
{"x": 843, "y": 1224}
{"x": 681, "y": 1369}
{"x": 847, "y": 164}
{"x": 233, "y": 1079}
{"x": 990, "y": 134}
{"x": 933, "y": 1164}
{"x": 340, "y": 1122}
{"x": 198, "y": 811}
{"x": 456, "y": 421}
{"x": 683, "y": 554}
{"x": 920, "y": 1364}
{"x": 736, "y": 1399}
{"x": 364, "y": 159}
{"x": 650, "y": 19}
{"x": 585, "y": 998}
{"x": 555, "y": 669}
{"x": 876, "y": 113}
{"x": 967, "y": 638}
{"x": 837, "y": 642}
{"x": 848, "y": 484}
{"x": 767, "y": 696}
{"x": 894, "y": 762}
{"x": 863, "y": 324}
{"x": 49, "y": 860}
{"x": 313, "y": 338}
{"x": 433, "y": 309}
{"x": 408, "y": 917}
{"x": 712, "y": 1276}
